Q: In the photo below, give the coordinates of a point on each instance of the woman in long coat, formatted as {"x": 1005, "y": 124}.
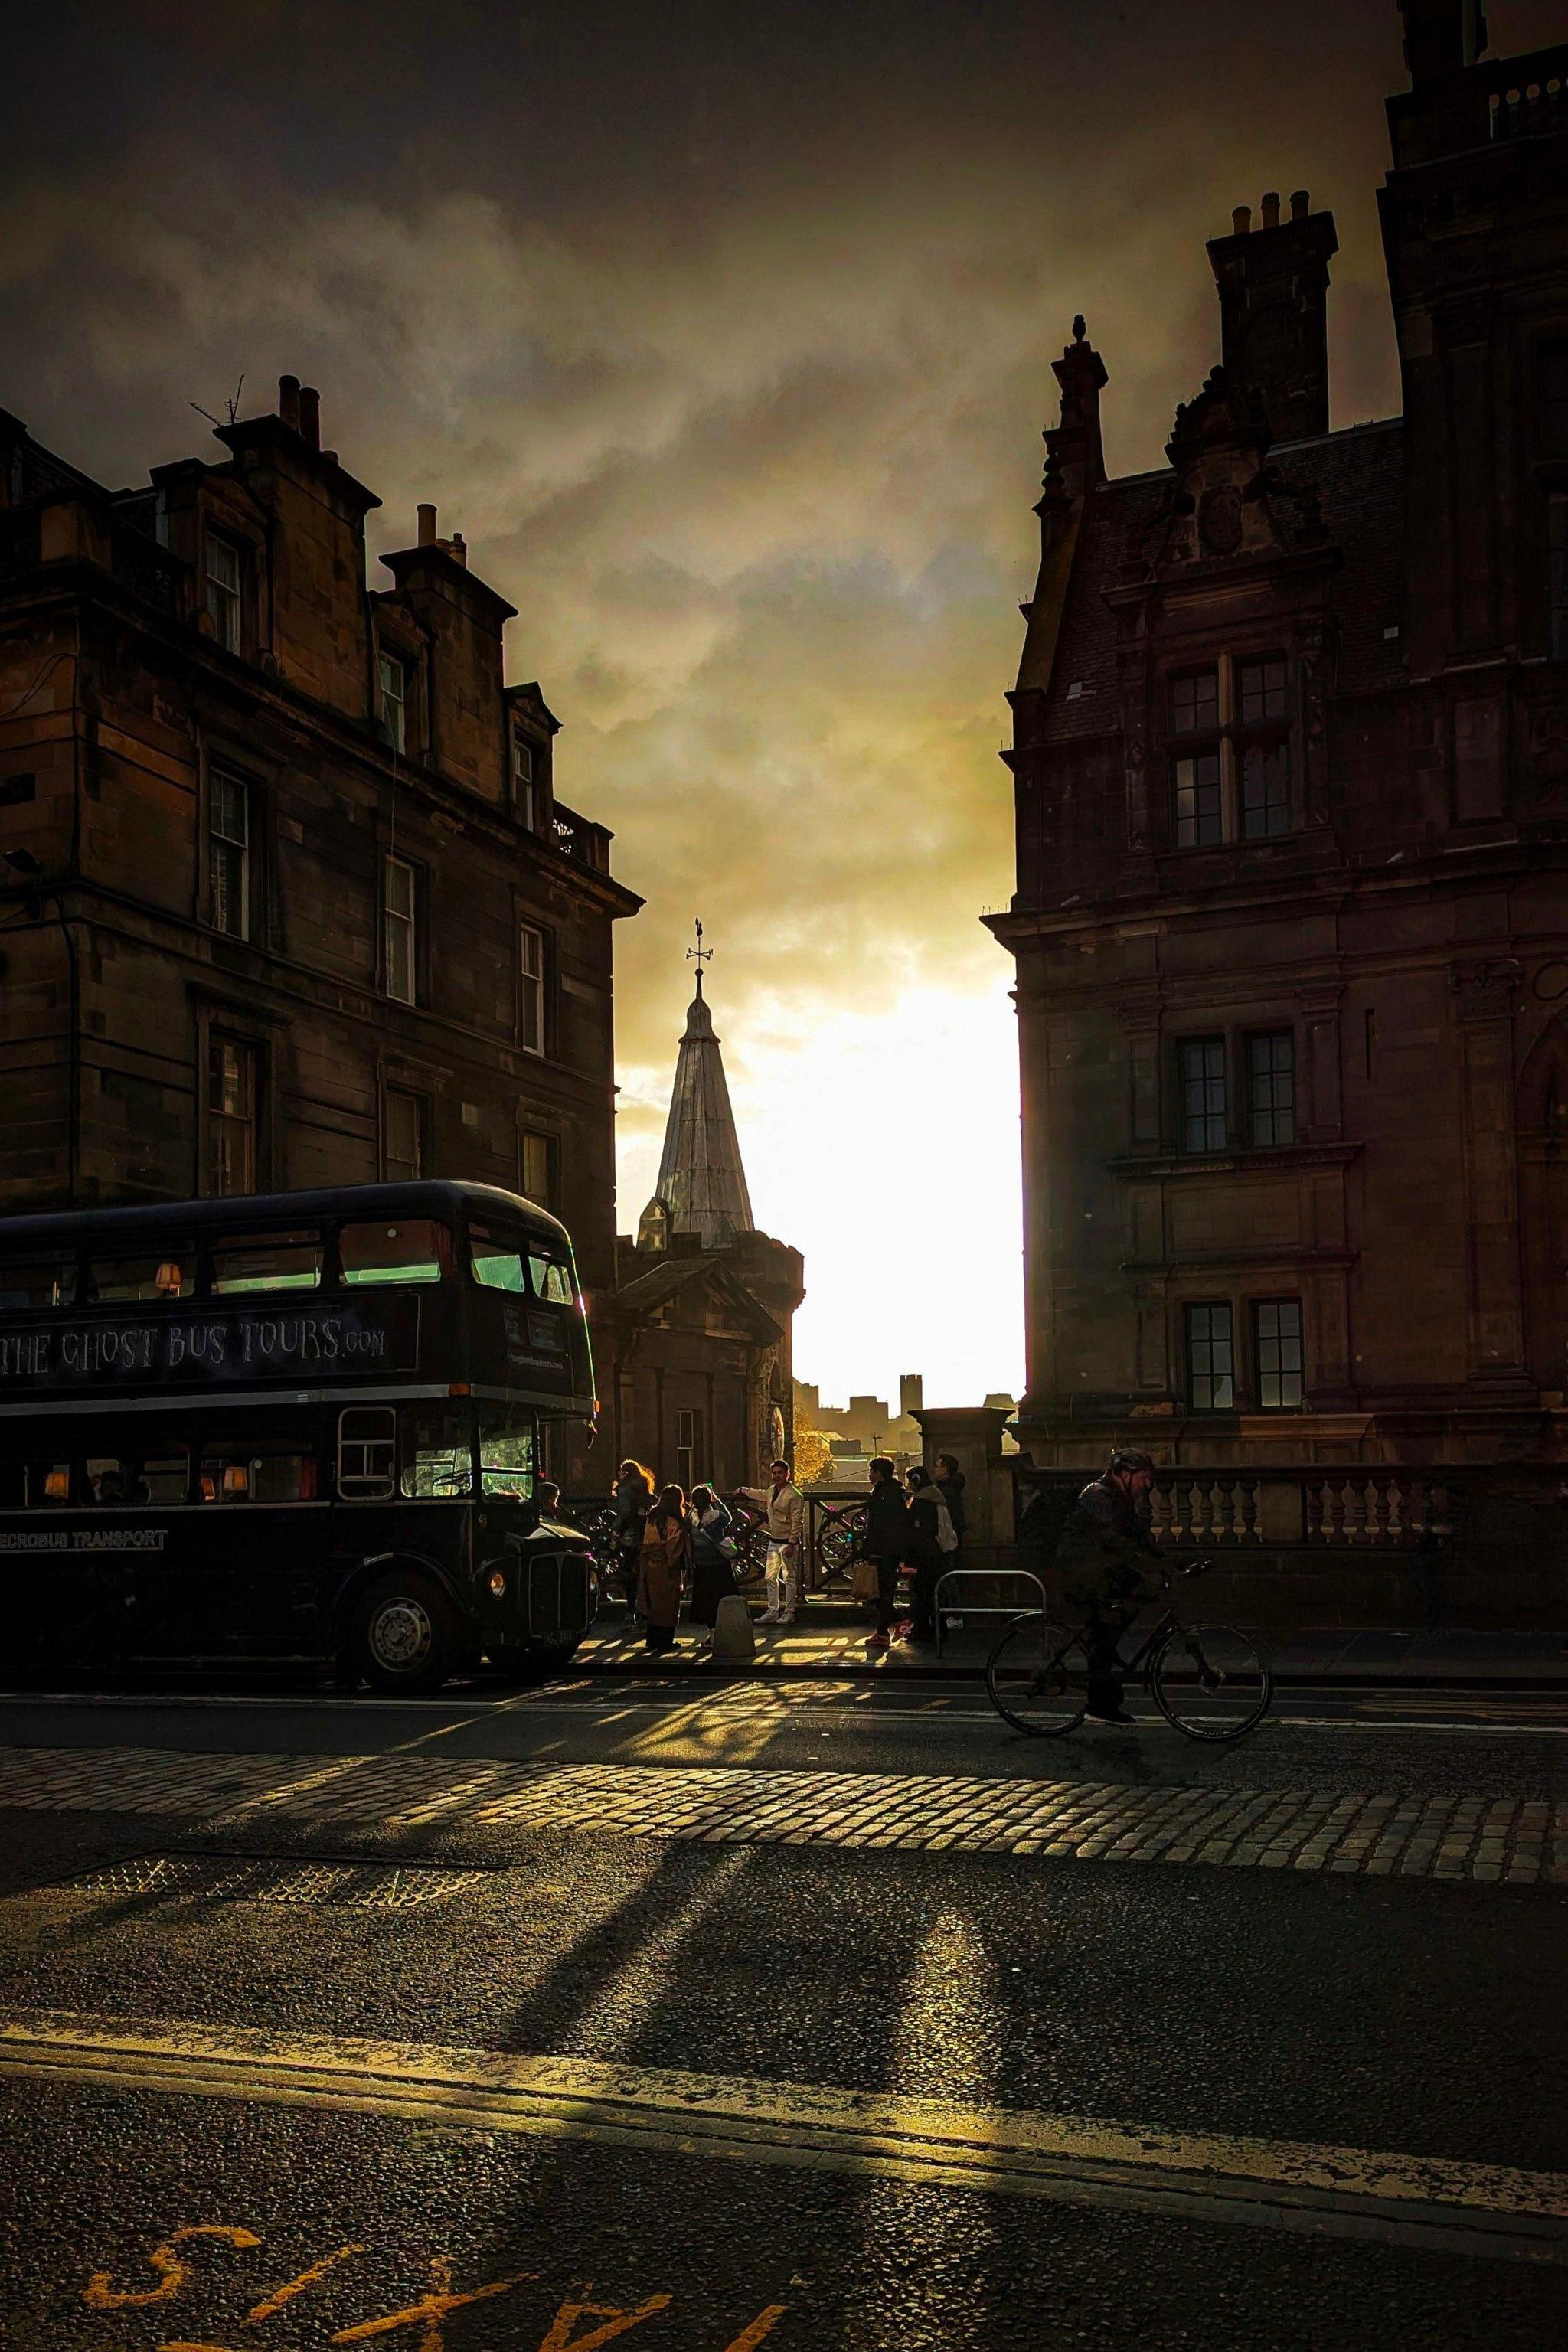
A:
{"x": 661, "y": 1573}
{"x": 712, "y": 1555}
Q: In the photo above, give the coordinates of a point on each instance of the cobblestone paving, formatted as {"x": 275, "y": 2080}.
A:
{"x": 1369, "y": 1832}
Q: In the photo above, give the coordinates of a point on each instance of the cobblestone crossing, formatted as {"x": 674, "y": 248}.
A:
{"x": 1370, "y": 1833}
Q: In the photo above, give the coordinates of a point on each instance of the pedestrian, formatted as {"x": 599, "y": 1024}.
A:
{"x": 662, "y": 1568}
{"x": 887, "y": 1535}
{"x": 1105, "y": 1561}
{"x": 785, "y": 1509}
{"x": 713, "y": 1550}
{"x": 633, "y": 1493}
{"x": 930, "y": 1542}
{"x": 950, "y": 1485}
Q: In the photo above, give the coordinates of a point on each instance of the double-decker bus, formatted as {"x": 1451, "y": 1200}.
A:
{"x": 293, "y": 1426}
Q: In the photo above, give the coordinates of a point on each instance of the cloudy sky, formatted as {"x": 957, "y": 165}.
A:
{"x": 724, "y": 335}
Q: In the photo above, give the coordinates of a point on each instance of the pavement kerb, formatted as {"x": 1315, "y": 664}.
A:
{"x": 665, "y": 1667}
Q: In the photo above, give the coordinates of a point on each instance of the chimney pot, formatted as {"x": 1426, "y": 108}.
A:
{"x": 1241, "y": 220}
{"x": 426, "y": 526}
{"x": 289, "y": 400}
{"x": 1272, "y": 209}
{"x": 311, "y": 414}
{"x": 1300, "y": 204}
{"x": 460, "y": 548}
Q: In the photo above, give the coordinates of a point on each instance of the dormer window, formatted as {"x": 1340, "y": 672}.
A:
{"x": 1236, "y": 784}
{"x": 392, "y": 676}
{"x": 223, "y": 590}
{"x": 523, "y": 792}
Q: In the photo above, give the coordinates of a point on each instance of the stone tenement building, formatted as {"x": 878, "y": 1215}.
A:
{"x": 287, "y": 897}
{"x": 701, "y": 1323}
{"x": 1292, "y": 773}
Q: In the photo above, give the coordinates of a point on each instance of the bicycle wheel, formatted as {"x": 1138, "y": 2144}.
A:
{"x": 1038, "y": 1676}
{"x": 1211, "y": 1681}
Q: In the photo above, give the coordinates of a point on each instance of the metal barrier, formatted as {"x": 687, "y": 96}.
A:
{"x": 985, "y": 1609}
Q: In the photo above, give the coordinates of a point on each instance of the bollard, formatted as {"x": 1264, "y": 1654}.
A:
{"x": 732, "y": 1635}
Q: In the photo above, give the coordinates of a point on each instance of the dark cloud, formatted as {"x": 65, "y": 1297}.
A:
{"x": 725, "y": 336}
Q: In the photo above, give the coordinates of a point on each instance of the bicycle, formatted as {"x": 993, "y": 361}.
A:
{"x": 1209, "y": 1682}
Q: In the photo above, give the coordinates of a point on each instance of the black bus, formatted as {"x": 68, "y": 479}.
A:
{"x": 291, "y": 1426}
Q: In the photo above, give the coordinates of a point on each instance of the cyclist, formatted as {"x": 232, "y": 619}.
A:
{"x": 1103, "y": 1559}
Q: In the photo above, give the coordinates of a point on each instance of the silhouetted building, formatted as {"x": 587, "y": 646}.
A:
{"x": 1292, "y": 769}
{"x": 289, "y": 898}
{"x": 700, "y": 1385}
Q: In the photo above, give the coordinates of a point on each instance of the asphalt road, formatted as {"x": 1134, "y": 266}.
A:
{"x": 417, "y": 2064}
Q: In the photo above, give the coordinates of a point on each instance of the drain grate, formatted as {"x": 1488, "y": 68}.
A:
{"x": 353, "y": 1885}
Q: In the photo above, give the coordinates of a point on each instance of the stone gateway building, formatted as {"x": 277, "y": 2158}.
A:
{"x": 1291, "y": 771}
{"x": 288, "y": 897}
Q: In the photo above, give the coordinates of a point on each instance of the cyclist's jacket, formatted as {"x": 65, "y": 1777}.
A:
{"x": 1106, "y": 1550}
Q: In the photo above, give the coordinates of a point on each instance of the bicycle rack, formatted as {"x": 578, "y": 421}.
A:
{"x": 985, "y": 1609}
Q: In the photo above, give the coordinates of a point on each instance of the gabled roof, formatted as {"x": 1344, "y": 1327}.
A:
{"x": 710, "y": 1272}
{"x": 1358, "y": 478}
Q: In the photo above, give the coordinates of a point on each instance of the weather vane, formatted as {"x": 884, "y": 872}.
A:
{"x": 700, "y": 955}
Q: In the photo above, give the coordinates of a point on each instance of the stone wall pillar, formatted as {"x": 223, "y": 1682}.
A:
{"x": 972, "y": 1436}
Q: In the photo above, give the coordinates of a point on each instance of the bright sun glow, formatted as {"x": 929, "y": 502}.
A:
{"x": 891, "y": 1160}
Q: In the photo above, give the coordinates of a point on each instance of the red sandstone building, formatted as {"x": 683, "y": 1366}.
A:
{"x": 1291, "y": 771}
{"x": 288, "y": 897}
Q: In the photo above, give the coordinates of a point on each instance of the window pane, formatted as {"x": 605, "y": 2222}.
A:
{"x": 404, "y": 1154}
{"x": 168, "y": 1273}
{"x": 505, "y": 1451}
{"x": 497, "y": 1263}
{"x": 531, "y": 987}
{"x": 271, "y": 1262}
{"x": 1271, "y": 1086}
{"x": 1194, "y": 702}
{"x": 43, "y": 1484}
{"x": 367, "y": 1448}
{"x": 1557, "y": 584}
{"x": 28, "y": 1283}
{"x": 1197, "y": 801}
{"x": 1265, "y": 791}
{"x": 437, "y": 1453}
{"x": 399, "y": 920}
{"x": 1210, "y": 1359}
{"x": 248, "y": 1470}
{"x": 394, "y": 681}
{"x": 538, "y": 1169}
{"x": 228, "y": 857}
{"x": 1276, "y": 1341}
{"x": 550, "y": 1275}
{"x": 1260, "y": 691}
{"x": 231, "y": 1115}
{"x": 223, "y": 590}
{"x": 1203, "y": 1123}
{"x": 135, "y": 1482}
{"x": 417, "y": 1250}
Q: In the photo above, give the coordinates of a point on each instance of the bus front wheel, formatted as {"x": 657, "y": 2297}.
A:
{"x": 401, "y": 1635}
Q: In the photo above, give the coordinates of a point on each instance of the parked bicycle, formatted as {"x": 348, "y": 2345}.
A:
{"x": 1209, "y": 1682}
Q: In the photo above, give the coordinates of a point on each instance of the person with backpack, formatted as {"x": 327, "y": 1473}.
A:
{"x": 931, "y": 1543}
{"x": 883, "y": 1545}
{"x": 713, "y": 1553}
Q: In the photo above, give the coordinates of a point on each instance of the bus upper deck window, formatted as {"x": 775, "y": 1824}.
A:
{"x": 166, "y": 1273}
{"x": 497, "y": 1263}
{"x": 268, "y": 1262}
{"x": 28, "y": 1283}
{"x": 551, "y": 1277}
{"x": 416, "y": 1249}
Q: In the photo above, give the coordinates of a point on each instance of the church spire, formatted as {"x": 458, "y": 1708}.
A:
{"x": 701, "y": 1183}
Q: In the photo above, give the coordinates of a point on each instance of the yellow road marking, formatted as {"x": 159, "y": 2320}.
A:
{"x": 1009, "y": 2152}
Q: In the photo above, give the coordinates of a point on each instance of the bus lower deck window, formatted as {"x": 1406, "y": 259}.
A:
{"x": 415, "y": 1249}
{"x": 367, "y": 1453}
{"x": 256, "y": 1474}
{"x": 34, "y": 1485}
{"x": 437, "y": 1453}
{"x": 505, "y": 1453}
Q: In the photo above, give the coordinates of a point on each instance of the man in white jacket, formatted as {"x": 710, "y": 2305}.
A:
{"x": 785, "y": 1510}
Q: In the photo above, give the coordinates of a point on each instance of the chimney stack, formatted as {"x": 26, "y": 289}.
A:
{"x": 1442, "y": 37}
{"x": 460, "y": 548}
{"x": 289, "y": 401}
{"x": 1075, "y": 453}
{"x": 1273, "y": 308}
{"x": 1241, "y": 220}
{"x": 311, "y": 414}
{"x": 426, "y": 526}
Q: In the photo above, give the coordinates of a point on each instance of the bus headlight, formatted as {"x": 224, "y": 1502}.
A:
{"x": 497, "y": 1581}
